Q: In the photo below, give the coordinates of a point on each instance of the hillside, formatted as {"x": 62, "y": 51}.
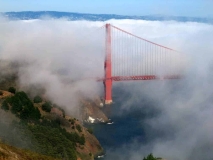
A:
{"x": 8, "y": 152}
{"x": 27, "y": 15}
{"x": 43, "y": 127}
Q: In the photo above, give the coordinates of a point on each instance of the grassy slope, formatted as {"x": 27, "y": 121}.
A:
{"x": 10, "y": 152}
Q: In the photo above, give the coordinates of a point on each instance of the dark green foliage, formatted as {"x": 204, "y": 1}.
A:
{"x": 12, "y": 90}
{"x": 57, "y": 121}
{"x": 39, "y": 134}
{"x": 150, "y": 157}
{"x": 1, "y": 93}
{"x": 82, "y": 140}
{"x": 74, "y": 137}
{"x": 5, "y": 106}
{"x": 53, "y": 142}
{"x": 46, "y": 107}
{"x": 37, "y": 99}
{"x": 90, "y": 130}
{"x": 45, "y": 137}
{"x": 22, "y": 106}
{"x": 78, "y": 127}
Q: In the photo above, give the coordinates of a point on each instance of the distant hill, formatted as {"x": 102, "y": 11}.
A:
{"x": 28, "y": 15}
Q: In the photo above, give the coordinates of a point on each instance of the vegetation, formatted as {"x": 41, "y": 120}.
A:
{"x": 20, "y": 154}
{"x": 47, "y": 137}
{"x": 78, "y": 127}
{"x": 151, "y": 157}
{"x": 5, "y": 106}
{"x": 90, "y": 130}
{"x": 1, "y": 93}
{"x": 46, "y": 107}
{"x": 12, "y": 90}
{"x": 72, "y": 121}
{"x": 37, "y": 99}
{"x": 22, "y": 107}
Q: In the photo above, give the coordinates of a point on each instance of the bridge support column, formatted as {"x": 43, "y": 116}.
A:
{"x": 108, "y": 91}
{"x": 108, "y": 67}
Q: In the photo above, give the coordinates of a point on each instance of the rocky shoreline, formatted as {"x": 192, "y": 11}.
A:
{"x": 92, "y": 112}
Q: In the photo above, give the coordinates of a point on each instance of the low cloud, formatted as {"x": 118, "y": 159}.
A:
{"x": 181, "y": 126}
{"x": 56, "y": 53}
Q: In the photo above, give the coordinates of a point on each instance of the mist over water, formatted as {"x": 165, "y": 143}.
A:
{"x": 158, "y": 118}
{"x": 171, "y": 119}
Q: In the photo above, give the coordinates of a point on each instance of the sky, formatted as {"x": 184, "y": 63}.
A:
{"x": 190, "y": 8}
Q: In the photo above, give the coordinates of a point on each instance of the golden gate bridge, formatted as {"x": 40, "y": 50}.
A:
{"x": 129, "y": 57}
{"x": 151, "y": 61}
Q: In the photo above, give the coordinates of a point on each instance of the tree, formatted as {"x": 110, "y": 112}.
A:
{"x": 5, "y": 106}
{"x": 150, "y": 157}
{"x": 37, "y": 99}
{"x": 90, "y": 130}
{"x": 22, "y": 106}
{"x": 12, "y": 90}
{"x": 46, "y": 107}
{"x": 78, "y": 127}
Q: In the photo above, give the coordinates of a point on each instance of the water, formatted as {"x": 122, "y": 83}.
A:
{"x": 127, "y": 125}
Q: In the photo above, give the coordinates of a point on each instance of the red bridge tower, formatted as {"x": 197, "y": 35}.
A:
{"x": 108, "y": 67}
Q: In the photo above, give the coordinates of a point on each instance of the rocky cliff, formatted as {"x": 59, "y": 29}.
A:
{"x": 92, "y": 111}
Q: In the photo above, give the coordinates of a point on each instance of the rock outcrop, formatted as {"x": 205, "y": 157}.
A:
{"x": 92, "y": 111}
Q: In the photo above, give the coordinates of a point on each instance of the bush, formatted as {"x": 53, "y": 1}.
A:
{"x": 150, "y": 157}
{"x": 82, "y": 140}
{"x": 37, "y": 99}
{"x": 12, "y": 90}
{"x": 90, "y": 130}
{"x": 78, "y": 127}
{"x": 22, "y": 106}
{"x": 5, "y": 106}
{"x": 46, "y": 107}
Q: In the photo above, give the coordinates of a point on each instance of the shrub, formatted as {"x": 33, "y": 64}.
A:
{"x": 5, "y": 106}
{"x": 37, "y": 99}
{"x": 23, "y": 107}
{"x": 150, "y": 157}
{"x": 82, "y": 140}
{"x": 72, "y": 121}
{"x": 78, "y": 127}
{"x": 90, "y": 130}
{"x": 12, "y": 90}
{"x": 46, "y": 107}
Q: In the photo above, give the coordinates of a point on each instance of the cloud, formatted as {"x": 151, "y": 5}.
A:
{"x": 181, "y": 127}
{"x": 55, "y": 53}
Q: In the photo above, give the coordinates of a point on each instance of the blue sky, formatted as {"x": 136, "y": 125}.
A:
{"x": 192, "y": 8}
